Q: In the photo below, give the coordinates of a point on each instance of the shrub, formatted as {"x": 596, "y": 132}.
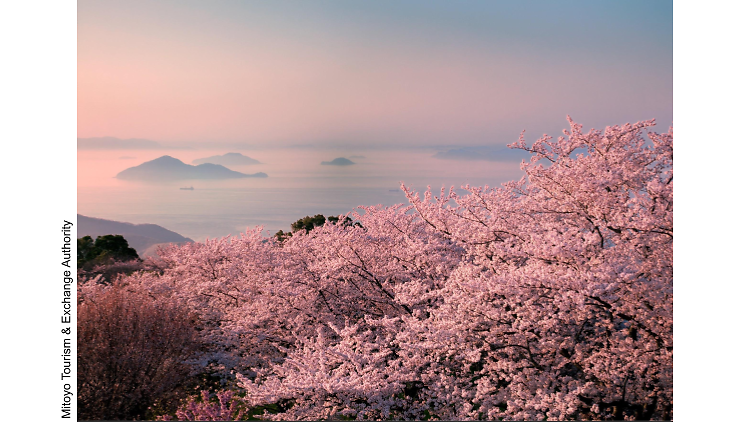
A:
{"x": 224, "y": 408}
{"x": 132, "y": 350}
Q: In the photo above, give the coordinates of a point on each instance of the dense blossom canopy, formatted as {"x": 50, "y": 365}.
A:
{"x": 548, "y": 297}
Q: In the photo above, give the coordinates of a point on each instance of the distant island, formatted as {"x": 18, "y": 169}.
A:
{"x": 228, "y": 159}
{"x": 341, "y": 161}
{"x": 167, "y": 168}
{"x": 109, "y": 142}
{"x": 144, "y": 238}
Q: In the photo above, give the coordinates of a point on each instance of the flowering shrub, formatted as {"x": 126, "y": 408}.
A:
{"x": 227, "y": 408}
{"x": 109, "y": 271}
{"x": 132, "y": 350}
{"x": 546, "y": 298}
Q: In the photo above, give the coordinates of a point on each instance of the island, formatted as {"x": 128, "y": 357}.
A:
{"x": 341, "y": 161}
{"x": 228, "y": 159}
{"x": 167, "y": 168}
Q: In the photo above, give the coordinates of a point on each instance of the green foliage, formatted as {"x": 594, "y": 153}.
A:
{"x": 107, "y": 248}
{"x": 256, "y": 413}
{"x": 308, "y": 223}
{"x": 281, "y": 236}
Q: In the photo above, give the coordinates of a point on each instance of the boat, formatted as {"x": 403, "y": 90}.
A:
{"x": 190, "y": 188}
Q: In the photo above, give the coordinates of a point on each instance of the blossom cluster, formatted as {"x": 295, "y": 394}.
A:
{"x": 549, "y": 297}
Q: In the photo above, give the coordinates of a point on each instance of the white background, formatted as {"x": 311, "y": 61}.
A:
{"x": 38, "y": 175}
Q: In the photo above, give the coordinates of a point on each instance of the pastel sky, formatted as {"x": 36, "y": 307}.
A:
{"x": 369, "y": 73}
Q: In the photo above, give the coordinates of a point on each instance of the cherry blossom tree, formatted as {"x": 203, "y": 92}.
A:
{"x": 560, "y": 308}
{"x": 567, "y": 296}
{"x": 549, "y": 297}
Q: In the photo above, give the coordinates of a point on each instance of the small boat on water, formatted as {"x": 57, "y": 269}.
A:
{"x": 190, "y": 188}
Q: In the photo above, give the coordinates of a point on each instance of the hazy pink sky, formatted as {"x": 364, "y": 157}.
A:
{"x": 362, "y": 73}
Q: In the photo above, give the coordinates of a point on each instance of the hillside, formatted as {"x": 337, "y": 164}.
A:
{"x": 142, "y": 237}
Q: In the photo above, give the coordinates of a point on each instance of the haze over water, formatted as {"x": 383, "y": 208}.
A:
{"x": 298, "y": 185}
{"x": 387, "y": 80}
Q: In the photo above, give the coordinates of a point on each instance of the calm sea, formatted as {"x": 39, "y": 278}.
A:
{"x": 298, "y": 185}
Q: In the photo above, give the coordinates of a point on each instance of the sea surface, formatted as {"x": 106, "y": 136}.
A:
{"x": 297, "y": 186}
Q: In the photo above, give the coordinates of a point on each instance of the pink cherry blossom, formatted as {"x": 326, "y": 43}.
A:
{"x": 549, "y": 297}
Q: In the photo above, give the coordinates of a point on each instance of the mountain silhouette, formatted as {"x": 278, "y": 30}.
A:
{"x": 341, "y": 161}
{"x": 167, "y": 168}
{"x": 228, "y": 159}
{"x": 144, "y": 238}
